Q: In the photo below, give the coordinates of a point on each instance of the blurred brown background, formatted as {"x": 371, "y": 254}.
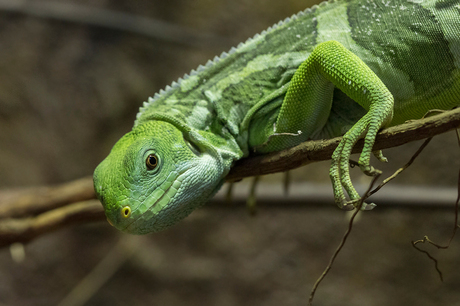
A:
{"x": 69, "y": 90}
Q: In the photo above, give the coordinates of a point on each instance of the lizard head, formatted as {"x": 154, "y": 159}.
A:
{"x": 154, "y": 177}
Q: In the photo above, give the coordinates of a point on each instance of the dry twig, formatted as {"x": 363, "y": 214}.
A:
{"x": 454, "y": 230}
{"x": 367, "y": 194}
{"x": 344, "y": 239}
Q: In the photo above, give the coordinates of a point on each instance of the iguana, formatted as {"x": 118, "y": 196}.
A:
{"x": 340, "y": 68}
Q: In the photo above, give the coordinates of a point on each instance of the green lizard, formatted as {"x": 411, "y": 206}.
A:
{"x": 340, "y": 68}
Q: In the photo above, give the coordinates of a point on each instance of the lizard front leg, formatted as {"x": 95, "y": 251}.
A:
{"x": 307, "y": 105}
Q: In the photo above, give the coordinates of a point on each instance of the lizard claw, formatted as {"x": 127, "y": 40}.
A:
{"x": 350, "y": 205}
{"x": 346, "y": 205}
{"x": 379, "y": 155}
{"x": 367, "y": 206}
{"x": 369, "y": 170}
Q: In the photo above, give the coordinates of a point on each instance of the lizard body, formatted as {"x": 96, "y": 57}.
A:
{"x": 342, "y": 67}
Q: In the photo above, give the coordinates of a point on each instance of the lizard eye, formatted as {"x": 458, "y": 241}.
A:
{"x": 151, "y": 162}
{"x": 126, "y": 212}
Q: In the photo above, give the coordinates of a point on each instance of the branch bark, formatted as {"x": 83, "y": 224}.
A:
{"x": 28, "y": 213}
{"x": 28, "y": 228}
{"x": 320, "y": 150}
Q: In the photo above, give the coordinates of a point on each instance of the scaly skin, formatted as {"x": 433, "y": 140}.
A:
{"x": 140, "y": 199}
{"x": 342, "y": 68}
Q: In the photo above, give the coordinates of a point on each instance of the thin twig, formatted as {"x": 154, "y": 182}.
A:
{"x": 251, "y": 202}
{"x": 103, "y": 271}
{"x": 344, "y": 239}
{"x": 286, "y": 183}
{"x": 454, "y": 230}
{"x": 426, "y": 239}
{"x": 397, "y": 172}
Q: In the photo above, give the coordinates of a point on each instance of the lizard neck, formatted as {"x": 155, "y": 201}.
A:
{"x": 215, "y": 139}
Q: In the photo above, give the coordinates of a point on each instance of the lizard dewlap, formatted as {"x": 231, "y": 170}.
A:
{"x": 340, "y": 68}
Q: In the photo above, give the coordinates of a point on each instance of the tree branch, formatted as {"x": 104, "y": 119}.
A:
{"x": 320, "y": 150}
{"x": 113, "y": 20}
{"x": 28, "y": 228}
{"x": 28, "y": 213}
{"x": 33, "y": 201}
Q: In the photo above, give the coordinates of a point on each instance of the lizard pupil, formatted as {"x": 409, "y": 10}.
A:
{"x": 151, "y": 162}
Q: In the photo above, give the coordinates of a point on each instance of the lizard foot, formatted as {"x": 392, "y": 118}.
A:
{"x": 339, "y": 172}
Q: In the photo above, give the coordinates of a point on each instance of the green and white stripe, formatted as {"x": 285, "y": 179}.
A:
{"x": 391, "y": 37}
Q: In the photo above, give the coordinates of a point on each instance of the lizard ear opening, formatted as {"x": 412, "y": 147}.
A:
{"x": 194, "y": 148}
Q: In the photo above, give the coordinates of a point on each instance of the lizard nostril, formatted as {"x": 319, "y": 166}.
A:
{"x": 126, "y": 212}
